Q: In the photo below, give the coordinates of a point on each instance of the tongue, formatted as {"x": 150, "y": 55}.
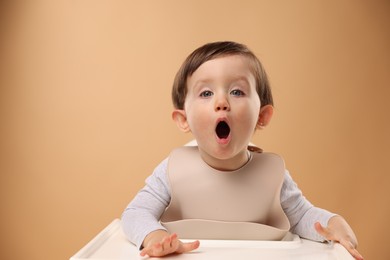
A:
{"x": 222, "y": 130}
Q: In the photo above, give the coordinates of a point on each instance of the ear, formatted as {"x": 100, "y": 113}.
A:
{"x": 265, "y": 116}
{"x": 180, "y": 117}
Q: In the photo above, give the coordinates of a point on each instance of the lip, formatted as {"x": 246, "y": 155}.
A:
{"x": 224, "y": 140}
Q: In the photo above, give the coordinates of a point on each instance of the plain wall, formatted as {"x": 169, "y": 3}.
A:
{"x": 85, "y": 108}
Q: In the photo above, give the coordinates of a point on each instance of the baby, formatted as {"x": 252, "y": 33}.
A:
{"x": 223, "y": 187}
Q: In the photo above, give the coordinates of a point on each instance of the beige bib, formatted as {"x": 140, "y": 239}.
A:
{"x": 211, "y": 204}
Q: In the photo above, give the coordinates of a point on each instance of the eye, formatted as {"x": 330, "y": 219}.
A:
{"x": 206, "y": 93}
{"x": 237, "y": 92}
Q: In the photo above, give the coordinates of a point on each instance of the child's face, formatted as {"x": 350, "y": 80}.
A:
{"x": 221, "y": 110}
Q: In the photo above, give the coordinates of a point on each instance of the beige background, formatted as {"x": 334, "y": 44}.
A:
{"x": 85, "y": 108}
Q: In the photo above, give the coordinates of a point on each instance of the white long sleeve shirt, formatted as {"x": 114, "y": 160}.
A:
{"x": 142, "y": 215}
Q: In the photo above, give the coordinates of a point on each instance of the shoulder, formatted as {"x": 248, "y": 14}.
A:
{"x": 183, "y": 150}
{"x": 268, "y": 158}
{"x": 159, "y": 172}
{"x": 181, "y": 156}
{"x": 258, "y": 152}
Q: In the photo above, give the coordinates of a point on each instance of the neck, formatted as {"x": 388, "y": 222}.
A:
{"x": 230, "y": 164}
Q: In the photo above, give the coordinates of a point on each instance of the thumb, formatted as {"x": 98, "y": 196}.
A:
{"x": 324, "y": 231}
{"x": 187, "y": 247}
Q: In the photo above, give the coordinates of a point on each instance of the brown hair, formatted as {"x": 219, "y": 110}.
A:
{"x": 211, "y": 51}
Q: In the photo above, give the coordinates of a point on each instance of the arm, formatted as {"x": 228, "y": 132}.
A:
{"x": 300, "y": 212}
{"x": 142, "y": 215}
{"x": 338, "y": 230}
{"x": 140, "y": 220}
{"x": 315, "y": 223}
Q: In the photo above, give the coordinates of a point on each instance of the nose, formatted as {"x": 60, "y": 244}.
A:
{"x": 222, "y": 103}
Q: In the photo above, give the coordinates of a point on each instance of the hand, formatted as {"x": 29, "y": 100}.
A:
{"x": 339, "y": 231}
{"x": 160, "y": 243}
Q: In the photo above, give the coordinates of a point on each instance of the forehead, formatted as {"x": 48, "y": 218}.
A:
{"x": 231, "y": 66}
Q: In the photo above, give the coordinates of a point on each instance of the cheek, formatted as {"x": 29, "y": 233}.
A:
{"x": 197, "y": 120}
{"x": 197, "y": 114}
{"x": 247, "y": 118}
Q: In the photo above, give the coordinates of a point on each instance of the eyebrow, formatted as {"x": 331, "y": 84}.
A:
{"x": 242, "y": 78}
{"x": 199, "y": 83}
{"x": 233, "y": 79}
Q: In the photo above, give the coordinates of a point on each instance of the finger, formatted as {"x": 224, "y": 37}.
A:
{"x": 175, "y": 243}
{"x": 187, "y": 247}
{"x": 154, "y": 250}
{"x": 351, "y": 249}
{"x": 149, "y": 250}
{"x": 356, "y": 254}
{"x": 324, "y": 231}
{"x": 146, "y": 251}
{"x": 166, "y": 244}
{"x": 169, "y": 245}
{"x": 143, "y": 252}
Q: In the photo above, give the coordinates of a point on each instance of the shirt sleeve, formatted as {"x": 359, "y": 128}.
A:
{"x": 300, "y": 212}
{"x": 142, "y": 215}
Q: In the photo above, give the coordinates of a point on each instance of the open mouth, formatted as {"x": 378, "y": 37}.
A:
{"x": 222, "y": 130}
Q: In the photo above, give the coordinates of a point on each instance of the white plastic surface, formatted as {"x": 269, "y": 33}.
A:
{"x": 111, "y": 243}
